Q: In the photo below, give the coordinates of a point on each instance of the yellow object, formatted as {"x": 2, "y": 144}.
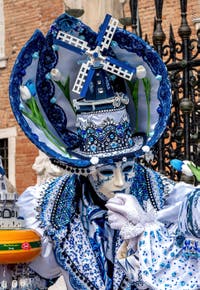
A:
{"x": 19, "y": 246}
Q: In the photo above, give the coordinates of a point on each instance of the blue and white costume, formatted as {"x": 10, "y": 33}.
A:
{"x": 74, "y": 228}
{"x": 87, "y": 100}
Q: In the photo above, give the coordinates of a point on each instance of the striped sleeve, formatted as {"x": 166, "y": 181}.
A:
{"x": 189, "y": 217}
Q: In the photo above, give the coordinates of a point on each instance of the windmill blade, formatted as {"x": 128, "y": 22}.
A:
{"x": 83, "y": 79}
{"x": 87, "y": 82}
{"x": 119, "y": 68}
{"x": 71, "y": 42}
{"x": 106, "y": 32}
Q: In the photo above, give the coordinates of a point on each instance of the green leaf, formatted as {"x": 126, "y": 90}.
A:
{"x": 41, "y": 124}
{"x": 66, "y": 91}
{"x": 38, "y": 114}
{"x": 66, "y": 88}
{"x": 134, "y": 87}
{"x": 37, "y": 118}
{"x": 195, "y": 170}
{"x": 147, "y": 90}
{"x": 32, "y": 118}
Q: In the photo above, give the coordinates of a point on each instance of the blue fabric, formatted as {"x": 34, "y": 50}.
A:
{"x": 89, "y": 232}
{"x": 101, "y": 237}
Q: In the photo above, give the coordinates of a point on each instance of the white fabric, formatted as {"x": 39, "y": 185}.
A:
{"x": 190, "y": 209}
{"x": 128, "y": 206}
{"x": 163, "y": 264}
{"x": 154, "y": 246}
{"x": 116, "y": 220}
{"x": 45, "y": 264}
{"x": 130, "y": 231}
{"x": 174, "y": 202}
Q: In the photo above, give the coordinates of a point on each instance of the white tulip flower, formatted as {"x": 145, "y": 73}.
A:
{"x": 141, "y": 72}
{"x": 56, "y": 75}
{"x": 185, "y": 168}
{"x": 25, "y": 93}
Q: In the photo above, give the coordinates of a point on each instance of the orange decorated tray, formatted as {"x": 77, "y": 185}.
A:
{"x": 19, "y": 246}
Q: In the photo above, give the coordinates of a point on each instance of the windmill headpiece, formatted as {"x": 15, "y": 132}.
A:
{"x": 82, "y": 97}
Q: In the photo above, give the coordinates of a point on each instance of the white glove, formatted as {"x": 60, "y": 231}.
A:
{"x": 116, "y": 220}
{"x": 130, "y": 231}
{"x": 126, "y": 228}
{"x": 129, "y": 207}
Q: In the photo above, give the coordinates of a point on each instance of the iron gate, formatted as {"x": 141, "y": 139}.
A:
{"x": 182, "y": 137}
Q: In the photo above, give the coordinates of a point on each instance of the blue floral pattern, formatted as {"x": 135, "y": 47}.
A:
{"x": 75, "y": 250}
{"x": 39, "y": 57}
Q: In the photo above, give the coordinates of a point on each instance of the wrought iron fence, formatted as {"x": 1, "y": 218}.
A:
{"x": 182, "y": 136}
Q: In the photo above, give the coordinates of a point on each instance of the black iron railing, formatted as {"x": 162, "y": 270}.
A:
{"x": 182, "y": 137}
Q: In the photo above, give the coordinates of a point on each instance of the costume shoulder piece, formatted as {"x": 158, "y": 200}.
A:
{"x": 150, "y": 186}
{"x": 57, "y": 205}
{"x": 82, "y": 96}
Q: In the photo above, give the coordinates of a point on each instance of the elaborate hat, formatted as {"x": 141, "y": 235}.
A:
{"x": 81, "y": 97}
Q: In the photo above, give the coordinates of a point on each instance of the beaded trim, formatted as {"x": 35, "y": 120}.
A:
{"x": 106, "y": 139}
{"x": 134, "y": 145}
{"x": 104, "y": 132}
{"x": 55, "y": 214}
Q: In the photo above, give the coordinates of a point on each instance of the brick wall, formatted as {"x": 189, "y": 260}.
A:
{"x": 171, "y": 15}
{"x": 21, "y": 19}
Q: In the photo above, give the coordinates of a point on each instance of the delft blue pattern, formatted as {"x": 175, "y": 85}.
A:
{"x": 77, "y": 242}
{"x": 165, "y": 264}
{"x": 166, "y": 258}
{"x": 139, "y": 187}
{"x": 149, "y": 184}
{"x": 44, "y": 49}
{"x": 102, "y": 238}
{"x": 190, "y": 224}
{"x": 56, "y": 214}
{"x": 160, "y": 187}
{"x": 64, "y": 205}
{"x": 132, "y": 43}
{"x": 107, "y": 139}
{"x": 74, "y": 251}
{"x": 104, "y": 243}
{"x": 74, "y": 27}
{"x": 77, "y": 258}
{"x": 46, "y": 91}
{"x": 36, "y": 44}
{"x": 23, "y": 61}
{"x": 191, "y": 249}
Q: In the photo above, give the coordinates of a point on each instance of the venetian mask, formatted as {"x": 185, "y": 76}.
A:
{"x": 109, "y": 179}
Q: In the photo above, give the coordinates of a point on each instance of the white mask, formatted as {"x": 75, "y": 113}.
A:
{"x": 109, "y": 179}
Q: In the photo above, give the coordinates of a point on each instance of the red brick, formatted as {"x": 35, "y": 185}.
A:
{"x": 22, "y": 17}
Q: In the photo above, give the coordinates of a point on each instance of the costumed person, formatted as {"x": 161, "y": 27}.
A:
{"x": 94, "y": 103}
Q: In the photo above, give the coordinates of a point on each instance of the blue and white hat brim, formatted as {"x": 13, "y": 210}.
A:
{"x": 40, "y": 55}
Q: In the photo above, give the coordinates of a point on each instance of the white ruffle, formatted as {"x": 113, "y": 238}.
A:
{"x": 170, "y": 212}
{"x": 45, "y": 265}
{"x": 164, "y": 262}
{"x": 160, "y": 263}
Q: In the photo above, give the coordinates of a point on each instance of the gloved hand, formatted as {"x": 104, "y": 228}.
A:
{"x": 116, "y": 220}
{"x": 127, "y": 229}
{"x": 128, "y": 206}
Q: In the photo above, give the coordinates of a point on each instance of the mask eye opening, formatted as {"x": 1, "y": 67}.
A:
{"x": 127, "y": 169}
{"x": 106, "y": 172}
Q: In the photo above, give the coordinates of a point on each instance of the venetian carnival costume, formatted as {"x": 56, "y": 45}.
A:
{"x": 93, "y": 103}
